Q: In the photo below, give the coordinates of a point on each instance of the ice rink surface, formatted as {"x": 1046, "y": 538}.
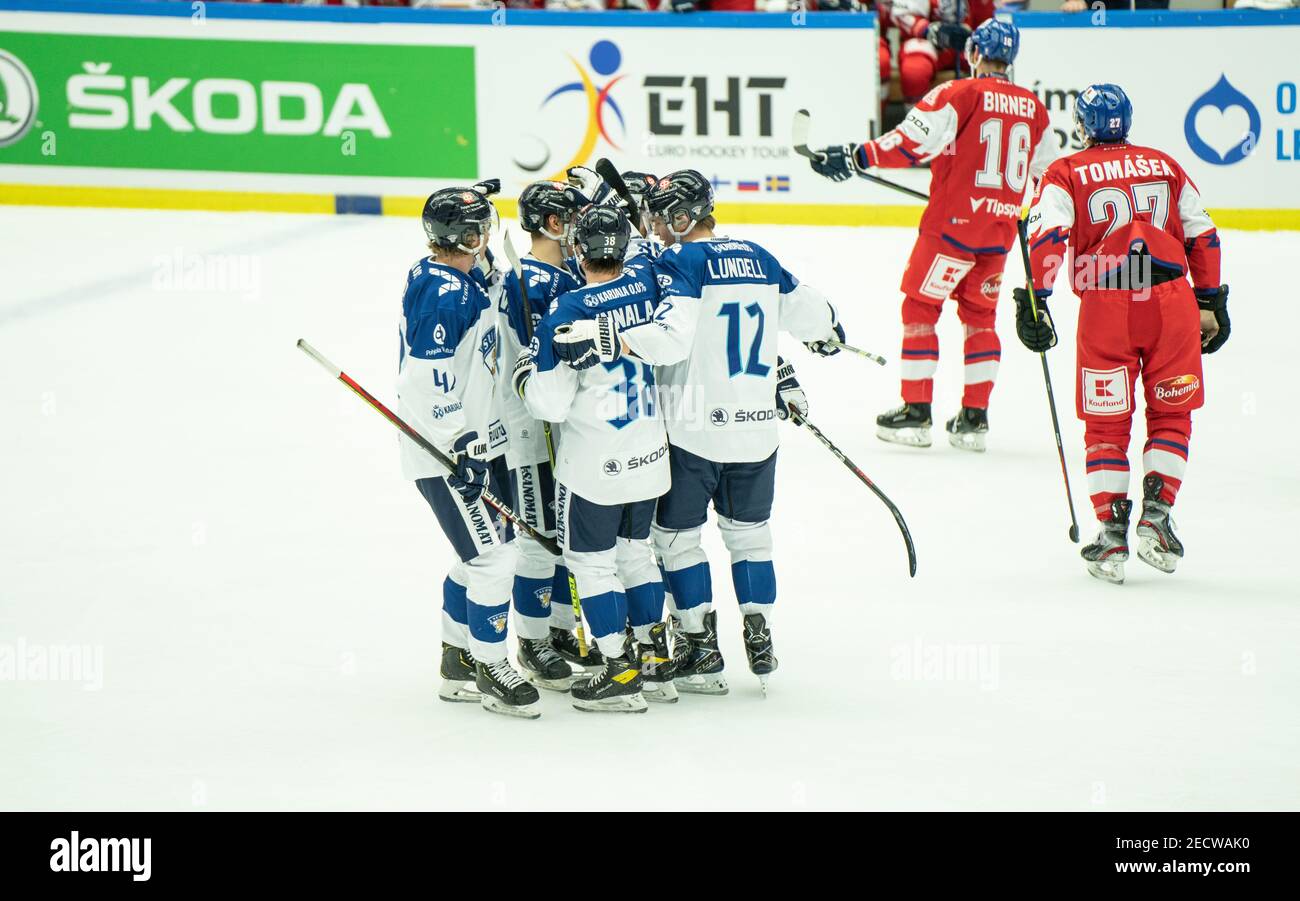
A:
{"x": 191, "y": 502}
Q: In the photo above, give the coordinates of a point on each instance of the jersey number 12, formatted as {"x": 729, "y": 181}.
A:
{"x": 752, "y": 365}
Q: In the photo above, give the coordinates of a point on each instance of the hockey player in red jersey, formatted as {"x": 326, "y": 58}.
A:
{"x": 1136, "y": 228}
{"x": 985, "y": 139}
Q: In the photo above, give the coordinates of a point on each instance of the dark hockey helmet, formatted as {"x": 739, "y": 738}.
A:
{"x": 601, "y": 233}
{"x": 541, "y": 199}
{"x": 458, "y": 218}
{"x": 639, "y": 184}
{"x": 681, "y": 200}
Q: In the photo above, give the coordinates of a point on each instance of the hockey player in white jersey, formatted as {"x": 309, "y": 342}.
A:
{"x": 544, "y": 616}
{"x": 446, "y": 389}
{"x": 612, "y": 462}
{"x": 722, "y": 388}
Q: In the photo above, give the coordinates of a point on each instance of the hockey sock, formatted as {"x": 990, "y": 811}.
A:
{"x": 455, "y": 629}
{"x": 983, "y": 351}
{"x": 606, "y": 613}
{"x": 645, "y": 607}
{"x": 1165, "y": 454}
{"x": 532, "y": 601}
{"x": 920, "y": 355}
{"x": 487, "y": 631}
{"x": 561, "y": 604}
{"x": 1107, "y": 461}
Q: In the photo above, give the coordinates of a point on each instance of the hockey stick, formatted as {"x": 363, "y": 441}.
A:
{"x": 1023, "y": 230}
{"x": 839, "y": 454}
{"x": 488, "y": 497}
{"x": 875, "y": 358}
{"x": 606, "y": 170}
{"x": 800, "y": 127}
{"x": 517, "y": 267}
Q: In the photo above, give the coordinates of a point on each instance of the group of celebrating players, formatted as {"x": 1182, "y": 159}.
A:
{"x": 623, "y": 376}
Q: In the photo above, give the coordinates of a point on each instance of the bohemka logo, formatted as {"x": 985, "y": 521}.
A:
{"x": 1211, "y": 116}
{"x": 102, "y": 855}
{"x": 18, "y": 99}
{"x": 605, "y": 59}
{"x": 1177, "y": 390}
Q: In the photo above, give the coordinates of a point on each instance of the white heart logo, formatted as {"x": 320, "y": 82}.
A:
{"x": 1222, "y": 130}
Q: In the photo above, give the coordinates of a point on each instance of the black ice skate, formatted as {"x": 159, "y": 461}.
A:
{"x": 458, "y": 676}
{"x": 565, "y": 643}
{"x": 969, "y": 429}
{"x": 1109, "y": 550}
{"x": 505, "y": 691}
{"x": 758, "y": 647}
{"x": 542, "y": 666}
{"x": 657, "y": 668}
{"x": 699, "y": 662}
{"x": 908, "y": 424}
{"x": 1157, "y": 543}
{"x": 615, "y": 689}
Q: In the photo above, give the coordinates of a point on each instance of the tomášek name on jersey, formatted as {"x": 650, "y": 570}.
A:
{"x": 1128, "y": 167}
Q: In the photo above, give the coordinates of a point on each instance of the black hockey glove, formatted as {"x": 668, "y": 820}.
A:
{"x": 1215, "y": 301}
{"x": 838, "y": 162}
{"x": 1039, "y": 335}
{"x": 788, "y": 391}
{"x": 470, "y": 478}
{"x": 947, "y": 35}
{"x": 488, "y": 186}
{"x": 683, "y": 6}
{"x": 824, "y": 348}
{"x": 586, "y": 342}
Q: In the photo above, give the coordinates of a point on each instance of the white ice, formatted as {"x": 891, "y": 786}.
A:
{"x": 190, "y": 498}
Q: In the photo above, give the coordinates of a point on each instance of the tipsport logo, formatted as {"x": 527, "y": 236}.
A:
{"x": 18, "y": 99}
{"x": 1222, "y": 117}
{"x": 603, "y": 60}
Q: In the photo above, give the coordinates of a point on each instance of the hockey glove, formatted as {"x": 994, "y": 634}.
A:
{"x": 1215, "y": 328}
{"x": 525, "y": 366}
{"x": 683, "y": 6}
{"x": 788, "y": 391}
{"x": 488, "y": 186}
{"x": 825, "y": 348}
{"x": 586, "y": 342}
{"x": 947, "y": 35}
{"x": 838, "y": 162}
{"x": 470, "y": 477}
{"x": 1037, "y": 334}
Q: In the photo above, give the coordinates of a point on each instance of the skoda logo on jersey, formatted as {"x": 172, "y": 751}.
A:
{"x": 1222, "y": 117}
{"x": 604, "y": 58}
{"x": 18, "y": 99}
{"x": 719, "y": 417}
{"x": 612, "y": 467}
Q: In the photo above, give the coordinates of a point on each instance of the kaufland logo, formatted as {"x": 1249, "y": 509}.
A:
{"x": 18, "y": 99}
{"x": 1222, "y": 126}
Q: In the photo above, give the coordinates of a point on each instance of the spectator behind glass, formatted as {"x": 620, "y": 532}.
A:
{"x": 1079, "y": 6}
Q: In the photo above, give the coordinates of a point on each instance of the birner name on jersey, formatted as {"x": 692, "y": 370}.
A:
{"x": 1126, "y": 167}
{"x": 1010, "y": 105}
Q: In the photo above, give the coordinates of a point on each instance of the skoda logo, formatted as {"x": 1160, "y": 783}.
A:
{"x": 612, "y": 467}
{"x": 1222, "y": 126}
{"x": 18, "y": 99}
{"x": 718, "y": 417}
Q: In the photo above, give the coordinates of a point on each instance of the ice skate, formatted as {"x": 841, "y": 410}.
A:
{"x": 615, "y": 689}
{"x": 506, "y": 692}
{"x": 1109, "y": 550}
{"x": 908, "y": 425}
{"x": 758, "y": 647}
{"x": 565, "y": 643}
{"x": 1158, "y": 546}
{"x": 969, "y": 429}
{"x": 657, "y": 667}
{"x": 542, "y": 666}
{"x": 698, "y": 661}
{"x": 458, "y": 676}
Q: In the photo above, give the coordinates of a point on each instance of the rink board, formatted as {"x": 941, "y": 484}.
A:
{"x": 295, "y": 109}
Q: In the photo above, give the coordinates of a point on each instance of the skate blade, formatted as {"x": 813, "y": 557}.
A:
{"x": 659, "y": 692}
{"x": 618, "y": 704}
{"x": 550, "y": 684}
{"x": 974, "y": 442}
{"x": 702, "y": 685}
{"x": 1152, "y": 553}
{"x": 459, "y": 692}
{"x": 762, "y": 685}
{"x": 910, "y": 437}
{"x": 1109, "y": 570}
{"x": 522, "y": 711}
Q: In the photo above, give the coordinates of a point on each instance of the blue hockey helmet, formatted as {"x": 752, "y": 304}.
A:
{"x": 994, "y": 40}
{"x": 1103, "y": 113}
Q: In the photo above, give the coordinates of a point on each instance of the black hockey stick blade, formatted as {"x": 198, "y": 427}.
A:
{"x": 609, "y": 172}
{"x": 862, "y": 476}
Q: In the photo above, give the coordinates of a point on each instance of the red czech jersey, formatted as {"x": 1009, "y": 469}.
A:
{"x": 986, "y": 141}
{"x": 1104, "y": 200}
